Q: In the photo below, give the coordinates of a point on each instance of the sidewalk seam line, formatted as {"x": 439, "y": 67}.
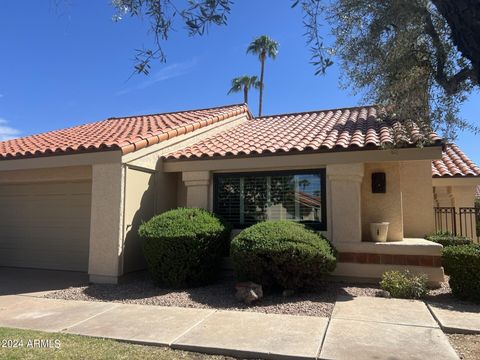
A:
{"x": 386, "y": 322}
{"x": 191, "y": 328}
{"x": 320, "y": 346}
{"x": 91, "y": 317}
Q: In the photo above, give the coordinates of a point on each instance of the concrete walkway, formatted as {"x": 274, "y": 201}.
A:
{"x": 360, "y": 328}
{"x": 458, "y": 318}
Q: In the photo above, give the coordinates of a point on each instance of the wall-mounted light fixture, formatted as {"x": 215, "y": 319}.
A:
{"x": 379, "y": 183}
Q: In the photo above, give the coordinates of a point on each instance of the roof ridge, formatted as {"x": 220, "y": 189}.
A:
{"x": 316, "y": 111}
{"x": 176, "y": 112}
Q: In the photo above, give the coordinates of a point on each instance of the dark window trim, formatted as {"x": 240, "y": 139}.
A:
{"x": 322, "y": 226}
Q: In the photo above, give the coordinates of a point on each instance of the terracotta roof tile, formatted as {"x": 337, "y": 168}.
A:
{"x": 338, "y": 129}
{"x": 125, "y": 133}
{"x": 454, "y": 163}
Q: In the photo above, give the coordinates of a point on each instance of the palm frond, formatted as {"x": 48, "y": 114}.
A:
{"x": 263, "y": 46}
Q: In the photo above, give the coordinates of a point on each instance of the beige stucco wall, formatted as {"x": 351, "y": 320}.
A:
{"x": 417, "y": 198}
{"x": 181, "y": 191}
{"x": 106, "y": 226}
{"x": 463, "y": 196}
{"x": 198, "y": 187}
{"x": 383, "y": 207}
{"x": 345, "y": 204}
{"x": 166, "y": 191}
{"x": 140, "y": 195}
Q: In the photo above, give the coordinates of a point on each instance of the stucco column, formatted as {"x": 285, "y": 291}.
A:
{"x": 104, "y": 263}
{"x": 345, "y": 202}
{"x": 198, "y": 185}
{"x": 417, "y": 198}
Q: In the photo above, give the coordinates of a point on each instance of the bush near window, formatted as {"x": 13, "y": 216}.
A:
{"x": 462, "y": 263}
{"x": 404, "y": 284}
{"x": 281, "y": 254}
{"x": 448, "y": 239}
{"x": 183, "y": 247}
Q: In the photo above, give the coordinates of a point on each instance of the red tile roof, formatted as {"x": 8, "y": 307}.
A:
{"x": 127, "y": 134}
{"x": 338, "y": 129}
{"x": 454, "y": 163}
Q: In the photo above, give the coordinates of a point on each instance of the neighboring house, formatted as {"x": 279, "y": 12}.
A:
{"x": 455, "y": 179}
{"x": 73, "y": 199}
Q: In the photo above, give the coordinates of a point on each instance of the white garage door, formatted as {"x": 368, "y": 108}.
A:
{"x": 45, "y": 225}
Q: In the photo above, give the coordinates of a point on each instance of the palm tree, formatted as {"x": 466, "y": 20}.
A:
{"x": 264, "y": 47}
{"x": 244, "y": 83}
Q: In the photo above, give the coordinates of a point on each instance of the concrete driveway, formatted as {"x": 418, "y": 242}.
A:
{"x": 17, "y": 281}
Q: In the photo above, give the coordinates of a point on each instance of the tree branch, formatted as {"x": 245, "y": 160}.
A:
{"x": 450, "y": 84}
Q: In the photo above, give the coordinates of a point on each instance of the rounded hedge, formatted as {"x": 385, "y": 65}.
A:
{"x": 448, "y": 239}
{"x": 281, "y": 254}
{"x": 183, "y": 247}
{"x": 462, "y": 263}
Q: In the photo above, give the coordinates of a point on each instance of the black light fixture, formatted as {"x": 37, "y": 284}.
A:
{"x": 379, "y": 183}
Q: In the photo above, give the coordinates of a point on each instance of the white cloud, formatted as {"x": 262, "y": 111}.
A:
{"x": 7, "y": 132}
{"x": 168, "y": 72}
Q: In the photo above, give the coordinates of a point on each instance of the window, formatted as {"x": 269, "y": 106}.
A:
{"x": 245, "y": 199}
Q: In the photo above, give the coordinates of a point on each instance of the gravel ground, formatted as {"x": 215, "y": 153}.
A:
{"x": 466, "y": 346}
{"x": 444, "y": 298}
{"x": 139, "y": 289}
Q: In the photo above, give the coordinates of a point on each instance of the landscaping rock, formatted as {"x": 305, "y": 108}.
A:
{"x": 383, "y": 293}
{"x": 248, "y": 292}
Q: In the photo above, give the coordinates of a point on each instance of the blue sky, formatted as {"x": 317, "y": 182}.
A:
{"x": 70, "y": 64}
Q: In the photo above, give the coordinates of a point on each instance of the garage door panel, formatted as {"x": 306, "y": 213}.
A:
{"x": 45, "y": 189}
{"x": 46, "y": 259}
{"x": 46, "y": 238}
{"x": 45, "y": 225}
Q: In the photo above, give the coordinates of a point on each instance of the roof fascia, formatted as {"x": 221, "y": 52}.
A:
{"x": 299, "y": 160}
{"x": 456, "y": 181}
{"x": 52, "y": 161}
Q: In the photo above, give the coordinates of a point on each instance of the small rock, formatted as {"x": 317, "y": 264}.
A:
{"x": 383, "y": 293}
{"x": 288, "y": 292}
{"x": 248, "y": 292}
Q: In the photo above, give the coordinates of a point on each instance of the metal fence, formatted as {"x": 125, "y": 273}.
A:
{"x": 464, "y": 221}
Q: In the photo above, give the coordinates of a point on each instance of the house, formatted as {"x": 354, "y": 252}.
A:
{"x": 455, "y": 180}
{"x": 73, "y": 199}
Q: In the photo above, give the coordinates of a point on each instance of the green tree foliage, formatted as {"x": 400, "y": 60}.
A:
{"x": 400, "y": 52}
{"x": 421, "y": 56}
{"x": 244, "y": 83}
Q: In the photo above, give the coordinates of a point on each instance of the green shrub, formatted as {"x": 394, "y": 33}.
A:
{"x": 448, "y": 239}
{"x": 462, "y": 263}
{"x": 183, "y": 246}
{"x": 281, "y": 254}
{"x": 404, "y": 285}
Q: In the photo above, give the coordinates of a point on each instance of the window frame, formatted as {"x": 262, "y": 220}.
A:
{"x": 318, "y": 226}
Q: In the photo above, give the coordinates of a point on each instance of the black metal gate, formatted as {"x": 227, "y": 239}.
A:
{"x": 464, "y": 221}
